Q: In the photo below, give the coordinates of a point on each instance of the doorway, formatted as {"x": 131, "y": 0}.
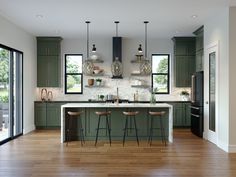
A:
{"x": 11, "y": 93}
{"x": 211, "y": 90}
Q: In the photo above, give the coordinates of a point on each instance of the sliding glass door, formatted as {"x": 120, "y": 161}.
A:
{"x": 11, "y": 93}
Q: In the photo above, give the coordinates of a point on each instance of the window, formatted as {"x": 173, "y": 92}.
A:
{"x": 160, "y": 73}
{"x": 73, "y": 74}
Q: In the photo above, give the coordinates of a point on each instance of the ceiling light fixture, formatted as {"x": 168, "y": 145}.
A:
{"x": 140, "y": 50}
{"x": 94, "y": 48}
{"x": 88, "y": 65}
{"x": 194, "y": 16}
{"x": 116, "y": 66}
{"x": 145, "y": 66}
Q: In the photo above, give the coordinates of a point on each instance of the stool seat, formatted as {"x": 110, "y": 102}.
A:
{"x": 130, "y": 113}
{"x": 103, "y": 113}
{"x": 74, "y": 113}
{"x": 152, "y": 113}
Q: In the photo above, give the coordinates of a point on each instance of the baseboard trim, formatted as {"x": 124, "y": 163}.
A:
{"x": 232, "y": 148}
{"x": 28, "y": 129}
{"x": 223, "y": 146}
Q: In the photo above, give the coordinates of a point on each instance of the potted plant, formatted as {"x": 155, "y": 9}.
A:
{"x": 184, "y": 95}
{"x": 98, "y": 82}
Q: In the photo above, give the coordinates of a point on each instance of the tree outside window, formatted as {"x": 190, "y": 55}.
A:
{"x": 160, "y": 73}
{"x": 73, "y": 74}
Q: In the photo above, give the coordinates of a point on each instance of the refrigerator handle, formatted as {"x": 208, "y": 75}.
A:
{"x": 193, "y": 89}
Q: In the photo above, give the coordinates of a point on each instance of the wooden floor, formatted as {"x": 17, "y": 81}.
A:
{"x": 41, "y": 154}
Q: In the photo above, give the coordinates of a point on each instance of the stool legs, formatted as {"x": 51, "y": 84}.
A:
{"x": 136, "y": 130}
{"x": 126, "y": 129}
{"x": 68, "y": 131}
{"x": 107, "y": 128}
{"x": 162, "y": 129}
{"x": 97, "y": 130}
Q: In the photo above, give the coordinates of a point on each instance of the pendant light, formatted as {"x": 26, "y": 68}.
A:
{"x": 145, "y": 66}
{"x": 116, "y": 66}
{"x": 140, "y": 50}
{"x": 88, "y": 65}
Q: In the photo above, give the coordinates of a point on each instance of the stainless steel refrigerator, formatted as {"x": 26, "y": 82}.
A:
{"x": 197, "y": 91}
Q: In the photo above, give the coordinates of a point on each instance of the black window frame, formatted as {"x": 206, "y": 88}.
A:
{"x": 166, "y": 74}
{"x": 66, "y": 74}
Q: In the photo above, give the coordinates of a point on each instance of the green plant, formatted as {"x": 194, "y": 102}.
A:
{"x": 101, "y": 97}
{"x": 98, "y": 80}
{"x": 184, "y": 92}
{"x": 4, "y": 99}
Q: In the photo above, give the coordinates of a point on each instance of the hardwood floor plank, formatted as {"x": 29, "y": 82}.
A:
{"x": 40, "y": 154}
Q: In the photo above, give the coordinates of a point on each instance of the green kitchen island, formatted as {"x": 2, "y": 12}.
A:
{"x": 90, "y": 119}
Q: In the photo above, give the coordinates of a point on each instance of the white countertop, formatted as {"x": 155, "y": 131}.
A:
{"x": 114, "y": 105}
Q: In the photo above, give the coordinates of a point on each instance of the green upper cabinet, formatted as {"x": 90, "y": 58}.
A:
{"x": 199, "y": 48}
{"x": 48, "y": 61}
{"x": 184, "y": 60}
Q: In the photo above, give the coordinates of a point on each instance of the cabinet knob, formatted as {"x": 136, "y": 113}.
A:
{"x": 206, "y": 102}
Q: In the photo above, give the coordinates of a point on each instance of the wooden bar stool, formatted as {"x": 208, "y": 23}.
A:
{"x": 131, "y": 116}
{"x": 106, "y": 115}
{"x": 160, "y": 116}
{"x": 75, "y": 115}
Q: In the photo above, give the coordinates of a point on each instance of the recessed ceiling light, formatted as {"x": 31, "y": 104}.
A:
{"x": 39, "y": 16}
{"x": 194, "y": 16}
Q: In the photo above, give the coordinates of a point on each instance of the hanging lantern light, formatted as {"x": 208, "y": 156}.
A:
{"x": 145, "y": 66}
{"x": 88, "y": 65}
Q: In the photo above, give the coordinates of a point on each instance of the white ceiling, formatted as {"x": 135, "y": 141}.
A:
{"x": 67, "y": 18}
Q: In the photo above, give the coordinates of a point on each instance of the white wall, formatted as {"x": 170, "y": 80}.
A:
{"x": 104, "y": 47}
{"x": 232, "y": 80}
{"x": 14, "y": 37}
{"x": 216, "y": 29}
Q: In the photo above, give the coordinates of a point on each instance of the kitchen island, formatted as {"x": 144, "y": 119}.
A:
{"x": 90, "y": 119}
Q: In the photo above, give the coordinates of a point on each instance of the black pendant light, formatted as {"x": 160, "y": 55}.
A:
{"x": 88, "y": 65}
{"x": 94, "y": 48}
{"x": 145, "y": 65}
{"x": 140, "y": 50}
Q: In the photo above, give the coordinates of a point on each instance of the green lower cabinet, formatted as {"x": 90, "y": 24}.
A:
{"x": 40, "y": 114}
{"x": 117, "y": 123}
{"x": 53, "y": 114}
{"x": 181, "y": 115}
{"x": 48, "y": 115}
{"x": 187, "y": 111}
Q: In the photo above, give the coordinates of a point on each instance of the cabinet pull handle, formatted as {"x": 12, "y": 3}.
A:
{"x": 195, "y": 115}
{"x": 195, "y": 107}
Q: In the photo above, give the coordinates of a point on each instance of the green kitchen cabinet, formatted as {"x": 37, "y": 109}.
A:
{"x": 177, "y": 115}
{"x": 199, "y": 48}
{"x": 184, "y": 68}
{"x": 181, "y": 115}
{"x": 184, "y": 60}
{"x": 199, "y": 38}
{"x": 40, "y": 114}
{"x": 47, "y": 115}
{"x": 187, "y": 114}
{"x": 48, "y": 46}
{"x": 53, "y": 114}
{"x": 199, "y": 60}
{"x": 48, "y": 61}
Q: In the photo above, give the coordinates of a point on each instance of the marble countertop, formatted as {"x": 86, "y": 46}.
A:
{"x": 114, "y": 105}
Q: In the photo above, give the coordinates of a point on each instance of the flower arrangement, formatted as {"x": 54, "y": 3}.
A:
{"x": 184, "y": 95}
